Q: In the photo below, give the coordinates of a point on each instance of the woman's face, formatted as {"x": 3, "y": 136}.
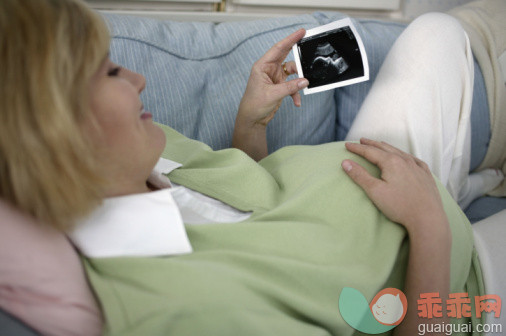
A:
{"x": 128, "y": 142}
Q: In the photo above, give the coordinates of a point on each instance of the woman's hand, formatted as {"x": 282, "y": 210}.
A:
{"x": 266, "y": 88}
{"x": 406, "y": 192}
{"x": 267, "y": 85}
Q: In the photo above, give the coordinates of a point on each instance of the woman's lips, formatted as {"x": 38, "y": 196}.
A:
{"x": 146, "y": 115}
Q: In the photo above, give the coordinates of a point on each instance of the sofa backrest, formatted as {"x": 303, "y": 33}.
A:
{"x": 196, "y": 74}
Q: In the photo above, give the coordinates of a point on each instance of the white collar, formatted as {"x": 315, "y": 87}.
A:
{"x": 147, "y": 224}
{"x": 158, "y": 176}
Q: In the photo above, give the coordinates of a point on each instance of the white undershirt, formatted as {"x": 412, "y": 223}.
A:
{"x": 150, "y": 224}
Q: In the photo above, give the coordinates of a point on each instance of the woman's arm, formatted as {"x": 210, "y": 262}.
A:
{"x": 428, "y": 270}
{"x": 407, "y": 194}
{"x": 266, "y": 88}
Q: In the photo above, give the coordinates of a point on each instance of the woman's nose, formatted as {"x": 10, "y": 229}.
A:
{"x": 137, "y": 80}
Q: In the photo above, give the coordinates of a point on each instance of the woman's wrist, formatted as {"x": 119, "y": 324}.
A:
{"x": 432, "y": 225}
{"x": 430, "y": 244}
{"x": 251, "y": 138}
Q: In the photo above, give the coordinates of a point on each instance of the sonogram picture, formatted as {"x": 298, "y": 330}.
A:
{"x": 331, "y": 56}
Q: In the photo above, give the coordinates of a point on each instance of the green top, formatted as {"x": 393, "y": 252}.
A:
{"x": 312, "y": 232}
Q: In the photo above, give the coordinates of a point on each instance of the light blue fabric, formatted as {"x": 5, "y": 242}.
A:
{"x": 484, "y": 207}
{"x": 197, "y": 72}
{"x": 480, "y": 119}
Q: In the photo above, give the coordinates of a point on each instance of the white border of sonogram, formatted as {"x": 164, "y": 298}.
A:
{"x": 322, "y": 29}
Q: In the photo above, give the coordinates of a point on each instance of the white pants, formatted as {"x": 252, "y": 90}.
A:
{"x": 421, "y": 99}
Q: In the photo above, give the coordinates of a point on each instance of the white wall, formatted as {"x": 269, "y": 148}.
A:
{"x": 413, "y": 8}
{"x": 226, "y": 10}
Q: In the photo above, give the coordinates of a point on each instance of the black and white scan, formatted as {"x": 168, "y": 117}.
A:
{"x": 331, "y": 56}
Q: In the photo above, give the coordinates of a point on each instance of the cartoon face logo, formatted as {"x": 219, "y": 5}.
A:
{"x": 386, "y": 310}
{"x": 389, "y": 306}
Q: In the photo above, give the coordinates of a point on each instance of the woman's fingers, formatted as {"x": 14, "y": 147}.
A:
{"x": 361, "y": 177}
{"x": 405, "y": 192}
{"x": 289, "y": 88}
{"x": 280, "y": 50}
{"x": 394, "y": 150}
{"x": 384, "y": 146}
{"x": 370, "y": 151}
{"x": 379, "y": 151}
{"x": 296, "y": 99}
{"x": 268, "y": 86}
{"x": 291, "y": 68}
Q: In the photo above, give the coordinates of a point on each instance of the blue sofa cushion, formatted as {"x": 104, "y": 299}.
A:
{"x": 197, "y": 72}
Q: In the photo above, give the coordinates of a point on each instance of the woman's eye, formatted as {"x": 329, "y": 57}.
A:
{"x": 114, "y": 71}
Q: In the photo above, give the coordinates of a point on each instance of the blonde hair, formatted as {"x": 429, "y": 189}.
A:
{"x": 49, "y": 50}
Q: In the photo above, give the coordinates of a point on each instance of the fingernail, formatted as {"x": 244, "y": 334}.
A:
{"x": 346, "y": 165}
{"x": 303, "y": 83}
